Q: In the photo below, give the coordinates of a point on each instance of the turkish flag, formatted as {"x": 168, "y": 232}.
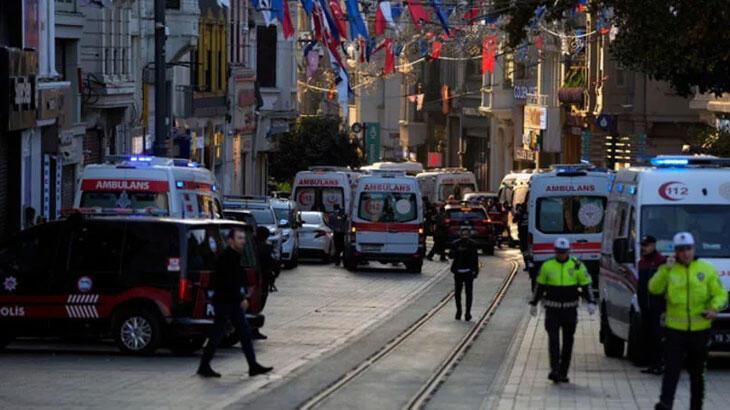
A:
{"x": 287, "y": 26}
{"x": 489, "y": 52}
{"x": 418, "y": 13}
{"x": 436, "y": 53}
{"x": 389, "y": 58}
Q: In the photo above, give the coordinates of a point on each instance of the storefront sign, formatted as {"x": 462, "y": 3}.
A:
{"x": 18, "y": 88}
{"x": 372, "y": 142}
{"x": 521, "y": 91}
{"x": 535, "y": 117}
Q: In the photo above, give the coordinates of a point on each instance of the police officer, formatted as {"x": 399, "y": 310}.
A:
{"x": 651, "y": 306}
{"x": 440, "y": 236}
{"x": 465, "y": 268}
{"x": 559, "y": 281}
{"x": 229, "y": 303}
{"x": 694, "y": 295}
{"x": 339, "y": 226}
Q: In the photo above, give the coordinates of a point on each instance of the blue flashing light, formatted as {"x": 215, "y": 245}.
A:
{"x": 179, "y": 184}
{"x": 632, "y": 190}
{"x": 669, "y": 162}
{"x": 215, "y": 188}
{"x": 619, "y": 188}
{"x": 193, "y": 164}
{"x": 140, "y": 159}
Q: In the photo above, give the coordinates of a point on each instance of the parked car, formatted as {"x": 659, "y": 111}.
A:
{"x": 261, "y": 209}
{"x": 241, "y": 215}
{"x": 142, "y": 281}
{"x": 315, "y": 237}
{"x": 482, "y": 231}
{"x": 287, "y": 217}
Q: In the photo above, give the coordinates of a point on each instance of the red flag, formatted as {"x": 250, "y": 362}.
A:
{"x": 538, "y": 42}
{"x": 339, "y": 17}
{"x": 287, "y": 26}
{"x": 418, "y": 13}
{"x": 389, "y": 58}
{"x": 379, "y": 22}
{"x": 436, "y": 50}
{"x": 317, "y": 18}
{"x": 471, "y": 14}
{"x": 489, "y": 52}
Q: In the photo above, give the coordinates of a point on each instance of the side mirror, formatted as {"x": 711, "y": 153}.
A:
{"x": 622, "y": 251}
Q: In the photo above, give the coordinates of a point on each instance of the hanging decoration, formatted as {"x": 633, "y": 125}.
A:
{"x": 357, "y": 25}
{"x": 418, "y": 13}
{"x": 489, "y": 52}
{"x": 441, "y": 15}
{"x": 436, "y": 52}
{"x": 389, "y": 66}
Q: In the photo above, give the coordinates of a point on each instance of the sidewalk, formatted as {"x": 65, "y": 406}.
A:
{"x": 596, "y": 382}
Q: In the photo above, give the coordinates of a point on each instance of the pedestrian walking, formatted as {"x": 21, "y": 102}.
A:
{"x": 694, "y": 296}
{"x": 560, "y": 283}
{"x": 229, "y": 304}
{"x": 339, "y": 227}
{"x": 651, "y": 306}
{"x": 465, "y": 267}
{"x": 440, "y": 237}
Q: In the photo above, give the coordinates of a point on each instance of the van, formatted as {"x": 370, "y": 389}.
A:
{"x": 387, "y": 221}
{"x": 323, "y": 189}
{"x": 439, "y": 184}
{"x": 139, "y": 280}
{"x": 567, "y": 201}
{"x": 177, "y": 188}
{"x": 674, "y": 194}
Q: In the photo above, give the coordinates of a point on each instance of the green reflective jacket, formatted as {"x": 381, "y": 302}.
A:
{"x": 689, "y": 291}
{"x": 569, "y": 273}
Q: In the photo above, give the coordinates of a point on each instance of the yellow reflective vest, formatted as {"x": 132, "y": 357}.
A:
{"x": 689, "y": 291}
{"x": 560, "y": 283}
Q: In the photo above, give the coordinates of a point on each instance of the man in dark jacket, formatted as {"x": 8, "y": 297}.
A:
{"x": 339, "y": 228}
{"x": 651, "y": 306}
{"x": 440, "y": 236}
{"x": 229, "y": 303}
{"x": 465, "y": 268}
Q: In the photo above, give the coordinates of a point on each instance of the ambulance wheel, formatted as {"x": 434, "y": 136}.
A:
{"x": 185, "y": 346}
{"x": 635, "y": 349}
{"x": 613, "y": 346}
{"x": 488, "y": 250}
{"x": 137, "y": 330}
{"x": 414, "y": 267}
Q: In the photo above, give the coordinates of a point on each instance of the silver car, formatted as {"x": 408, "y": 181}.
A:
{"x": 315, "y": 237}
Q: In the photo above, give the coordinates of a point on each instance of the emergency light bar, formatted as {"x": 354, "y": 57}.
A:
{"x": 99, "y": 211}
{"x": 669, "y": 161}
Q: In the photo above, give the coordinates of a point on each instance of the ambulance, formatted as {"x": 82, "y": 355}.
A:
{"x": 438, "y": 184}
{"x": 154, "y": 185}
{"x": 674, "y": 194}
{"x": 567, "y": 201}
{"x": 324, "y": 188}
{"x": 513, "y": 191}
{"x": 387, "y": 221}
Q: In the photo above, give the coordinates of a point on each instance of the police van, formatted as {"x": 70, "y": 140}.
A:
{"x": 674, "y": 194}
{"x": 439, "y": 184}
{"x": 163, "y": 186}
{"x": 324, "y": 189}
{"x": 142, "y": 281}
{"x": 567, "y": 201}
{"x": 387, "y": 221}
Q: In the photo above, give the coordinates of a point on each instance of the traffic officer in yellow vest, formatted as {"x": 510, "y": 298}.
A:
{"x": 694, "y": 296}
{"x": 559, "y": 284}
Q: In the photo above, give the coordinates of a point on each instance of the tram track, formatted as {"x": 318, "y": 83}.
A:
{"x": 444, "y": 368}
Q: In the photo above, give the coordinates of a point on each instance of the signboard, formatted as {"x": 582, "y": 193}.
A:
{"x": 372, "y": 142}
{"x": 535, "y": 117}
{"x": 435, "y": 159}
{"x": 585, "y": 144}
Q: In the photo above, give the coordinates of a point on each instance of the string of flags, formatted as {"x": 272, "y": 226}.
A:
{"x": 340, "y": 32}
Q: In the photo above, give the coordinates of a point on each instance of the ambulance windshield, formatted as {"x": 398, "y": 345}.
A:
{"x": 708, "y": 224}
{"x": 387, "y": 207}
{"x": 319, "y": 199}
{"x": 457, "y": 190}
{"x": 570, "y": 214}
{"x": 125, "y": 200}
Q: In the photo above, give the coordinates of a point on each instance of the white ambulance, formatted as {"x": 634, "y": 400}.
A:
{"x": 387, "y": 221}
{"x": 323, "y": 189}
{"x": 676, "y": 194}
{"x": 438, "y": 184}
{"x": 567, "y": 201}
{"x": 145, "y": 184}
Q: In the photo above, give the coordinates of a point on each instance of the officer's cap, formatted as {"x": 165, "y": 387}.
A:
{"x": 562, "y": 244}
{"x": 684, "y": 239}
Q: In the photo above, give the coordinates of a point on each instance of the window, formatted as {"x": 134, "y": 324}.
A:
{"x": 457, "y": 190}
{"x": 571, "y": 214}
{"x": 156, "y": 201}
{"x": 319, "y": 199}
{"x": 203, "y": 245}
{"x": 387, "y": 207}
{"x": 263, "y": 216}
{"x": 116, "y": 41}
{"x": 312, "y": 218}
{"x": 30, "y": 258}
{"x": 266, "y": 56}
{"x": 207, "y": 207}
{"x": 708, "y": 224}
{"x": 148, "y": 248}
{"x": 466, "y": 215}
{"x": 96, "y": 248}
{"x": 248, "y": 257}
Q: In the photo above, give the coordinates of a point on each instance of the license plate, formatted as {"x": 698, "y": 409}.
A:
{"x": 372, "y": 248}
{"x": 721, "y": 338}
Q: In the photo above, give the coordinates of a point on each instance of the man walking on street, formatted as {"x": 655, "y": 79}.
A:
{"x": 339, "y": 226}
{"x": 441, "y": 232}
{"x": 694, "y": 296}
{"x": 465, "y": 268}
{"x": 560, "y": 282}
{"x": 651, "y": 306}
{"x": 229, "y": 303}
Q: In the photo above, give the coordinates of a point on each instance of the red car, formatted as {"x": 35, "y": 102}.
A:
{"x": 482, "y": 231}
